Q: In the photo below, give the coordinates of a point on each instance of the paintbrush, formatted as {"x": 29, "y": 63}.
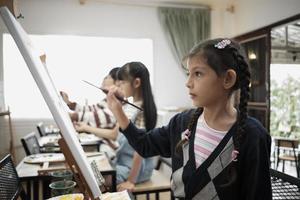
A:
{"x": 118, "y": 97}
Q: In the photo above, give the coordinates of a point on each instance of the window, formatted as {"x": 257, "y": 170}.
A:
{"x": 70, "y": 59}
{"x": 285, "y": 105}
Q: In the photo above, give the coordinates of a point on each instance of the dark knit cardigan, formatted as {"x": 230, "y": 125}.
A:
{"x": 218, "y": 177}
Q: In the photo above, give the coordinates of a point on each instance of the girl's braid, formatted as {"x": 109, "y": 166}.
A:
{"x": 244, "y": 81}
{"x": 190, "y": 126}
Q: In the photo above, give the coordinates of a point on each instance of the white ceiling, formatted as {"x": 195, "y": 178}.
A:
{"x": 206, "y": 2}
{"x": 166, "y": 2}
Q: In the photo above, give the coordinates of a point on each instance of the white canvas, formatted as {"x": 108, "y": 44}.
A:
{"x": 51, "y": 96}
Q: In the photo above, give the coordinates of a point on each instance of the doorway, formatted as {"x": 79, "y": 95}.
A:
{"x": 285, "y": 80}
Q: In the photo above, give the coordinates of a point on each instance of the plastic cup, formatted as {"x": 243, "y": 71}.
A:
{"x": 62, "y": 187}
{"x": 62, "y": 175}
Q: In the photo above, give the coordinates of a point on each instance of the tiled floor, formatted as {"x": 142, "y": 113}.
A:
{"x": 290, "y": 168}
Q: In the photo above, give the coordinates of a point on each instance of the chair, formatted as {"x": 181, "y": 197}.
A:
{"x": 10, "y": 186}
{"x": 41, "y": 129}
{"x": 158, "y": 183}
{"x": 163, "y": 160}
{"x": 284, "y": 186}
{"x": 31, "y": 144}
{"x": 285, "y": 144}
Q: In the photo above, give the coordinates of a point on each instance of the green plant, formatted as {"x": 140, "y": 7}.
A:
{"x": 285, "y": 108}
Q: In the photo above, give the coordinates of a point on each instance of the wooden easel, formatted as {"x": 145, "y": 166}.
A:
{"x": 11, "y": 142}
{"x": 10, "y": 4}
{"x": 79, "y": 178}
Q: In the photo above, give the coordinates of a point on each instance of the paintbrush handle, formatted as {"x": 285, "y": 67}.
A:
{"x": 121, "y": 99}
{"x": 117, "y": 96}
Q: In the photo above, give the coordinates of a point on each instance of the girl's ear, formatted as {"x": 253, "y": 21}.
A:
{"x": 137, "y": 83}
{"x": 229, "y": 79}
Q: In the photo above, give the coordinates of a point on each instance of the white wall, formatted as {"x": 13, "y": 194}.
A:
{"x": 249, "y": 15}
{"x": 2, "y": 103}
{"x": 254, "y": 14}
{"x": 222, "y": 21}
{"x": 98, "y": 19}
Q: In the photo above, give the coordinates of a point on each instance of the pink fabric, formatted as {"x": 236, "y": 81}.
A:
{"x": 206, "y": 140}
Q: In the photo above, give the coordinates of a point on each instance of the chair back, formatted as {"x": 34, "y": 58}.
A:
{"x": 289, "y": 143}
{"x": 284, "y": 186}
{"x": 41, "y": 129}
{"x": 10, "y": 186}
{"x": 31, "y": 144}
{"x": 162, "y": 160}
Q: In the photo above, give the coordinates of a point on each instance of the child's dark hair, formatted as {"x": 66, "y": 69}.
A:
{"x": 113, "y": 73}
{"x": 190, "y": 125}
{"x": 133, "y": 70}
{"x": 221, "y": 55}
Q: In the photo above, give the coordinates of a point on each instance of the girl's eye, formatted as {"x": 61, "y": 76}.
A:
{"x": 198, "y": 74}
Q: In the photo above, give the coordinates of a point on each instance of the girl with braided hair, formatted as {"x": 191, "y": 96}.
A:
{"x": 217, "y": 150}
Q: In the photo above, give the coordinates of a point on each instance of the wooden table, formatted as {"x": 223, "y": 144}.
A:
{"x": 29, "y": 174}
{"x": 86, "y": 140}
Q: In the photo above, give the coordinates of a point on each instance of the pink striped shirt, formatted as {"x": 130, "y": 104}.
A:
{"x": 206, "y": 140}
